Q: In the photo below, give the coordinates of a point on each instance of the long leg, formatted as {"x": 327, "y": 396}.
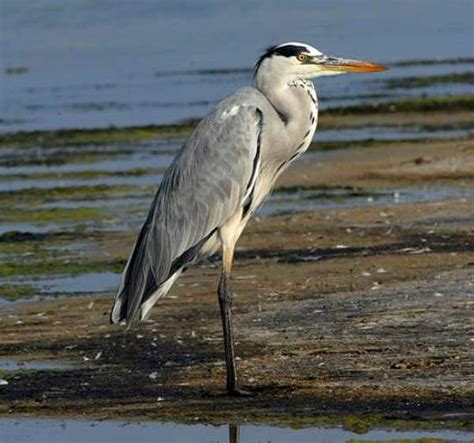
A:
{"x": 234, "y": 434}
{"x": 225, "y": 304}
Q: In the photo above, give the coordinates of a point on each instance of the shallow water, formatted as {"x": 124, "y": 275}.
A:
{"x": 29, "y": 227}
{"x": 389, "y": 133}
{"x": 129, "y": 212}
{"x": 180, "y": 60}
{"x": 85, "y": 283}
{"x": 146, "y": 180}
{"x": 9, "y": 365}
{"x": 93, "y": 283}
{"x": 309, "y": 200}
{"x": 75, "y": 431}
{"x": 123, "y": 163}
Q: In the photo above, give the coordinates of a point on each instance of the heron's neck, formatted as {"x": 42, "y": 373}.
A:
{"x": 293, "y": 99}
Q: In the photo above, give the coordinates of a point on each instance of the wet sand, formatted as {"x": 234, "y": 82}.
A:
{"x": 359, "y": 316}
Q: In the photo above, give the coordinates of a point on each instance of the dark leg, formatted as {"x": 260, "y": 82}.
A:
{"x": 234, "y": 434}
{"x": 225, "y": 304}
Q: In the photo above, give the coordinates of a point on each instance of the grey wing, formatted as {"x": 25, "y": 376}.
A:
{"x": 202, "y": 188}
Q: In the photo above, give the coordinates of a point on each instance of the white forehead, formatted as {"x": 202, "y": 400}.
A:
{"x": 309, "y": 49}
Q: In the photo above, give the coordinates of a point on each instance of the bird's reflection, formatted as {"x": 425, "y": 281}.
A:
{"x": 234, "y": 433}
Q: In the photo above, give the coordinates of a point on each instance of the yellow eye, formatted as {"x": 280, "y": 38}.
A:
{"x": 302, "y": 57}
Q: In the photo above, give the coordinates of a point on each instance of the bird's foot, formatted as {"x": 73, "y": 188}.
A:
{"x": 237, "y": 391}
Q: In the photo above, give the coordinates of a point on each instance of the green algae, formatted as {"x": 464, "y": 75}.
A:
{"x": 348, "y": 190}
{"x": 88, "y": 137}
{"x": 428, "y": 104}
{"x": 83, "y": 175}
{"x": 31, "y": 255}
{"x": 60, "y": 267}
{"x": 51, "y": 215}
{"x": 13, "y": 292}
{"x": 375, "y": 143}
{"x": 16, "y": 240}
{"x": 37, "y": 195}
{"x": 63, "y": 155}
{"x": 8, "y": 250}
{"x": 360, "y": 424}
{"x": 112, "y": 135}
{"x": 430, "y": 80}
{"x": 17, "y": 249}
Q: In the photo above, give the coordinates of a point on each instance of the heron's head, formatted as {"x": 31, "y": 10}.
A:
{"x": 299, "y": 60}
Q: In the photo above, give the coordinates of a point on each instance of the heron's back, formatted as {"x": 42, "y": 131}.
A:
{"x": 201, "y": 189}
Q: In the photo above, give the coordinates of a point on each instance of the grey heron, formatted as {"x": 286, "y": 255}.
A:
{"x": 220, "y": 177}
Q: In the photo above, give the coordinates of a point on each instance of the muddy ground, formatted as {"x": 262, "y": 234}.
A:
{"x": 360, "y": 315}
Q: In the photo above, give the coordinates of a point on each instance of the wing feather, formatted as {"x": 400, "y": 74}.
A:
{"x": 202, "y": 188}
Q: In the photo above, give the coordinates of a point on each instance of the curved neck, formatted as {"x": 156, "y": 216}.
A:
{"x": 291, "y": 98}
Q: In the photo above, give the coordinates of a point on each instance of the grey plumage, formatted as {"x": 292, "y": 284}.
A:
{"x": 221, "y": 175}
{"x": 201, "y": 189}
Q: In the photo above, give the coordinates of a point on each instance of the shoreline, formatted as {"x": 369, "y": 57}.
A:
{"x": 416, "y": 111}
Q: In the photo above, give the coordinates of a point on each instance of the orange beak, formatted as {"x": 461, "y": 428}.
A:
{"x": 337, "y": 64}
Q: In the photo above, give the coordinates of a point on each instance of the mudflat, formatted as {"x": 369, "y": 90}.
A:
{"x": 359, "y": 314}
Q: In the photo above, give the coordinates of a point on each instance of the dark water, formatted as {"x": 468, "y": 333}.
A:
{"x": 75, "y": 431}
{"x": 99, "y": 63}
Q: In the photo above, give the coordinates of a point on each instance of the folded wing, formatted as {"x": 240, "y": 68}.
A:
{"x": 203, "y": 187}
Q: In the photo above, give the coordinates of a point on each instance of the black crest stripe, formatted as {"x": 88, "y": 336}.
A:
{"x": 285, "y": 51}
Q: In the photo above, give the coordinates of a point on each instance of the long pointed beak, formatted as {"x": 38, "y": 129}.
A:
{"x": 337, "y": 64}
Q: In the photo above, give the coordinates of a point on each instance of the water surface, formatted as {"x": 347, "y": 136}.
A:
{"x": 95, "y": 64}
{"x": 76, "y": 431}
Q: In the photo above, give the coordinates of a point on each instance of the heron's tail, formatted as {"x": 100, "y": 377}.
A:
{"x": 119, "y": 310}
{"x": 161, "y": 291}
{"x": 138, "y": 289}
{"x": 133, "y": 289}
{"x": 137, "y": 283}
